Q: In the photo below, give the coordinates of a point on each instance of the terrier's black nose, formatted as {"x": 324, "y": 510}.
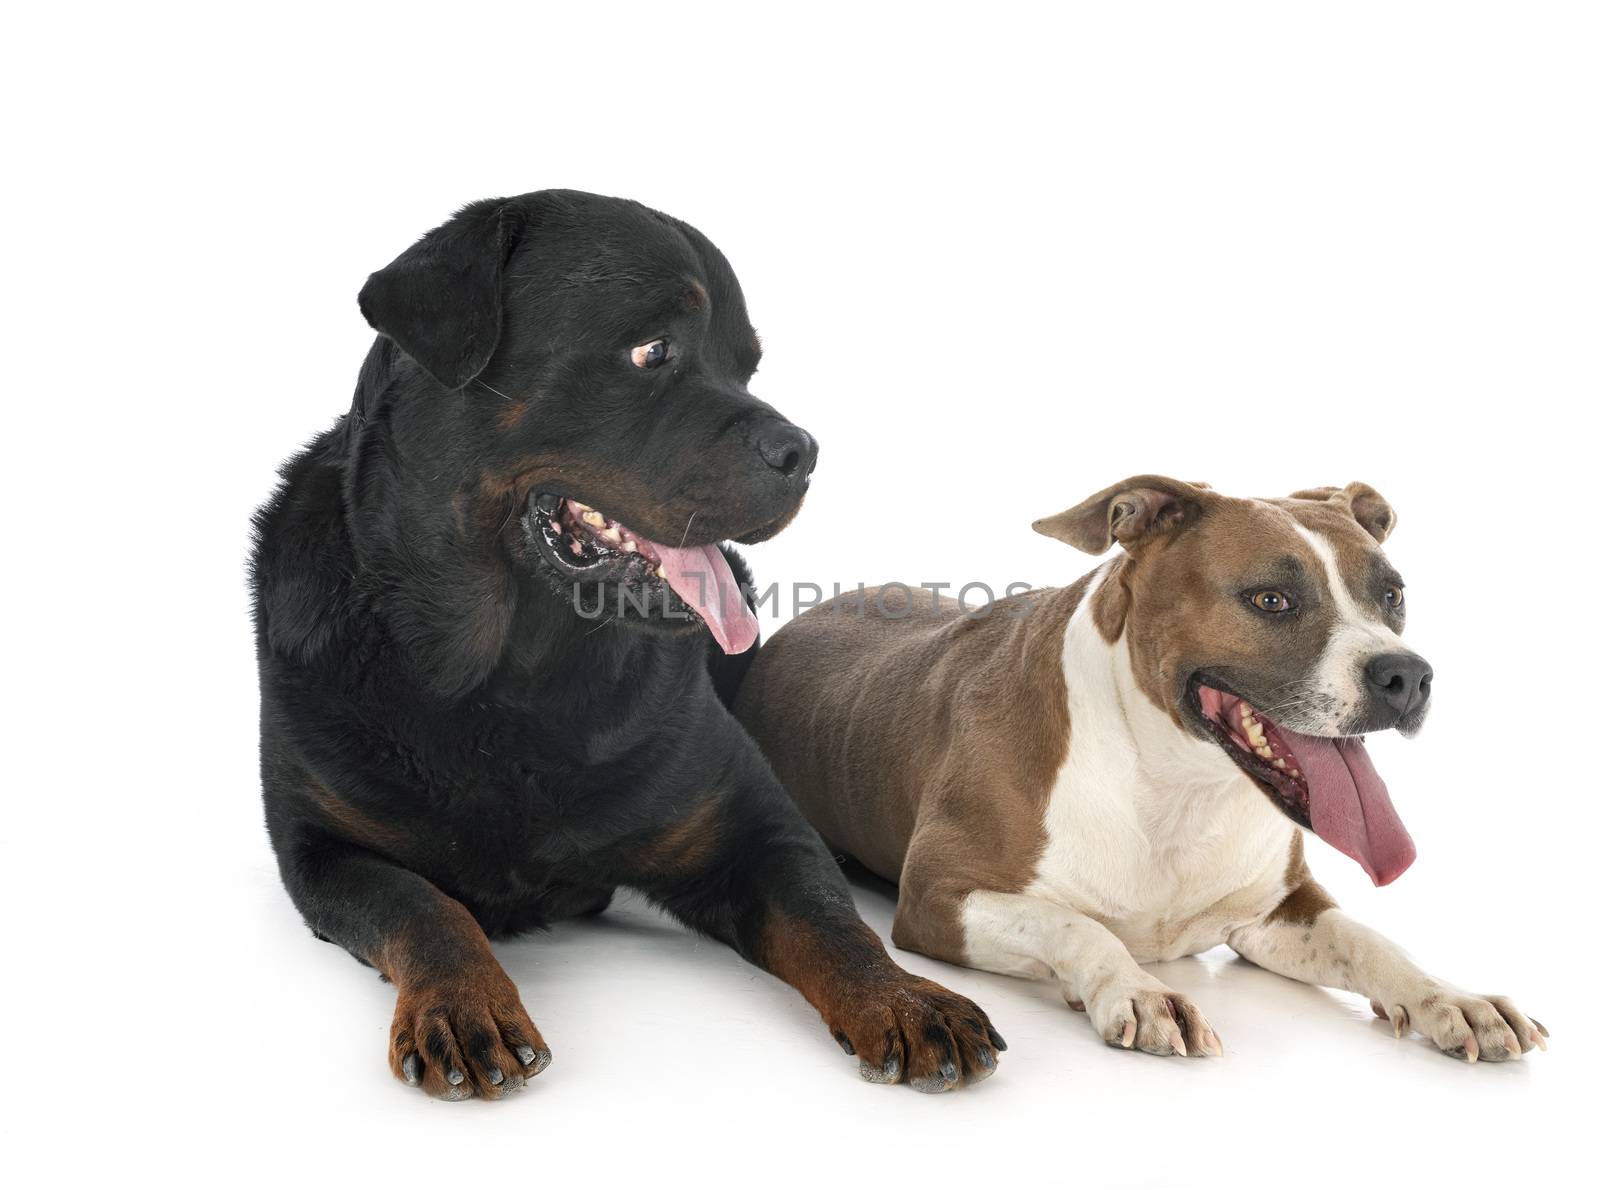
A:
{"x": 1400, "y": 681}
{"x": 789, "y": 449}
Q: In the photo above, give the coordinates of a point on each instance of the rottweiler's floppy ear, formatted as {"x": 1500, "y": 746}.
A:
{"x": 1129, "y": 512}
{"x": 1370, "y": 510}
{"x": 439, "y": 300}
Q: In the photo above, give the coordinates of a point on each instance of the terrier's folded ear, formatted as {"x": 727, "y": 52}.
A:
{"x": 1370, "y": 510}
{"x": 1131, "y": 513}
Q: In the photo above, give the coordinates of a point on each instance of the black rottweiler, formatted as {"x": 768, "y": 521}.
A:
{"x": 486, "y": 703}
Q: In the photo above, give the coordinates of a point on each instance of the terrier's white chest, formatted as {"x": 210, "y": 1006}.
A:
{"x": 1150, "y": 831}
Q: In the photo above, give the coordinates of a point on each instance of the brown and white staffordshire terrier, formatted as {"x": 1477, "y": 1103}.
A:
{"x": 1081, "y": 779}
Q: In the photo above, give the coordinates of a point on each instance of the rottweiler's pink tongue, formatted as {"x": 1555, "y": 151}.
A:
{"x": 703, "y": 579}
{"x": 1350, "y": 805}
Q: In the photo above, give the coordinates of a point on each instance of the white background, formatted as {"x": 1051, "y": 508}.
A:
{"x": 998, "y": 260}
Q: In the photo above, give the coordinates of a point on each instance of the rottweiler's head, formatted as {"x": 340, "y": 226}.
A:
{"x": 578, "y": 369}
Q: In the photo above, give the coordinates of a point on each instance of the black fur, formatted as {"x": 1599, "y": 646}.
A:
{"x": 440, "y": 728}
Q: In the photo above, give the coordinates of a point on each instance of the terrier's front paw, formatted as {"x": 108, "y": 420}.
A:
{"x": 1150, "y": 1016}
{"x": 465, "y": 1035}
{"x": 1466, "y": 1026}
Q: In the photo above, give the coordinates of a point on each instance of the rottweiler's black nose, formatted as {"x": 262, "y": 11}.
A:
{"x": 1401, "y": 681}
{"x": 789, "y": 449}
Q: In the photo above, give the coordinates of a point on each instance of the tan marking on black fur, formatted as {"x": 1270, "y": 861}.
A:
{"x": 457, "y": 1009}
{"x": 810, "y": 961}
{"x": 687, "y": 845}
{"x": 901, "y": 1026}
{"x": 353, "y": 824}
{"x": 502, "y": 492}
{"x": 510, "y": 416}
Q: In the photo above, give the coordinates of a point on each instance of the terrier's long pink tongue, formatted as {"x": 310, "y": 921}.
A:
{"x": 1350, "y": 805}
{"x": 703, "y": 579}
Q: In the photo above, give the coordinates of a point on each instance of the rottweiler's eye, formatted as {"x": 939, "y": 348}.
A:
{"x": 1395, "y": 597}
{"x": 1272, "y": 601}
{"x": 650, "y": 355}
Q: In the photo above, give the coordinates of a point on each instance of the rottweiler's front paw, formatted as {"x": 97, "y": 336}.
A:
{"x": 912, "y": 1030}
{"x": 463, "y": 1036}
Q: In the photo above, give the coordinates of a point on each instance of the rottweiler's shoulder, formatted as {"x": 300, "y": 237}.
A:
{"x": 301, "y": 560}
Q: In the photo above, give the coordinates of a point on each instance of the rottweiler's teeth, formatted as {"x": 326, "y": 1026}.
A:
{"x": 629, "y": 547}
{"x": 661, "y": 572}
{"x": 593, "y": 518}
{"x": 611, "y": 535}
{"x": 579, "y": 507}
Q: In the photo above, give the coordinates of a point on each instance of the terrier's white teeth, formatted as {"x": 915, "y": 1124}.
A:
{"x": 1258, "y": 737}
{"x": 1294, "y": 772}
{"x": 629, "y": 547}
{"x": 1264, "y": 752}
{"x": 594, "y": 518}
{"x": 611, "y": 535}
{"x": 1280, "y": 764}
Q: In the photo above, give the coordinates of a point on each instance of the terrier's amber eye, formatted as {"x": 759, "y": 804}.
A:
{"x": 1271, "y": 601}
{"x": 650, "y": 355}
{"x": 1395, "y": 597}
